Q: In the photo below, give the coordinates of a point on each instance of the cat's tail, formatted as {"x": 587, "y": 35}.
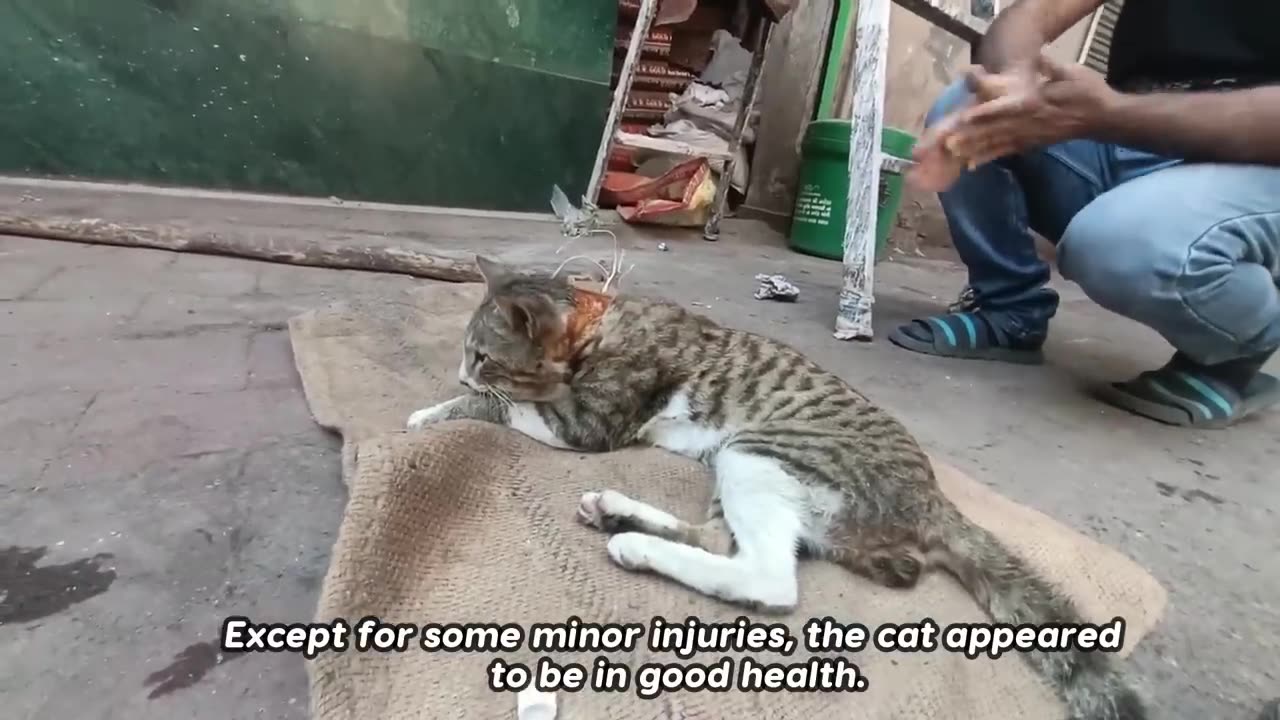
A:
{"x": 1014, "y": 595}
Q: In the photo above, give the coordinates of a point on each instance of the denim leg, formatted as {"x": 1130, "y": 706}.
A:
{"x": 1191, "y": 251}
{"x": 992, "y": 210}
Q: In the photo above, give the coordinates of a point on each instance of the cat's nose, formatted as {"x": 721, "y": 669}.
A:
{"x": 465, "y": 378}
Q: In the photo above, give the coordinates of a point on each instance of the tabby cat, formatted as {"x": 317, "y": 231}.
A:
{"x": 802, "y": 462}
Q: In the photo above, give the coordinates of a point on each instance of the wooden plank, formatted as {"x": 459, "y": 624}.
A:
{"x": 313, "y": 251}
{"x": 853, "y": 316}
{"x": 667, "y": 145}
{"x": 789, "y": 92}
{"x": 950, "y": 15}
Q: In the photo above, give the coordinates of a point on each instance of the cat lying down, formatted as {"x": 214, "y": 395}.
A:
{"x": 803, "y": 463}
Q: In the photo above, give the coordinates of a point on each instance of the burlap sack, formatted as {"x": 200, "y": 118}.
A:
{"x": 471, "y": 523}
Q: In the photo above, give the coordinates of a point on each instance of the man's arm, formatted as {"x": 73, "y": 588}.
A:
{"x": 1018, "y": 33}
{"x": 1007, "y": 57}
{"x": 1230, "y": 126}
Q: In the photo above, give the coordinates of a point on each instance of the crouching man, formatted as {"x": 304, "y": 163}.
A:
{"x": 1159, "y": 183}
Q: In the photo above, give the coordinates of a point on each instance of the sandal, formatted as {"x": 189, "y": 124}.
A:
{"x": 963, "y": 335}
{"x": 1186, "y": 398}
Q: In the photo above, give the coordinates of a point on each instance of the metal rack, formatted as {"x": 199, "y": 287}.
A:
{"x": 613, "y": 133}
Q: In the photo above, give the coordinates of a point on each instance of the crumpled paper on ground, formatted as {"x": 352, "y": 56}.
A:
{"x": 776, "y": 287}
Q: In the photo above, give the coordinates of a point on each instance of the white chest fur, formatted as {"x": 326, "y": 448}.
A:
{"x": 674, "y": 429}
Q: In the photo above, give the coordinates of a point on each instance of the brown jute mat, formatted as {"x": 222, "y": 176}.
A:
{"x": 471, "y": 523}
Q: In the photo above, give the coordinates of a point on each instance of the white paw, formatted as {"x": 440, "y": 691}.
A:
{"x": 420, "y": 418}
{"x": 603, "y": 510}
{"x": 589, "y": 510}
{"x": 774, "y": 595}
{"x": 427, "y": 416}
{"x": 630, "y": 550}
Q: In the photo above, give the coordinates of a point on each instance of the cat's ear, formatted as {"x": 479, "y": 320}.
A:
{"x": 492, "y": 270}
{"x": 533, "y": 315}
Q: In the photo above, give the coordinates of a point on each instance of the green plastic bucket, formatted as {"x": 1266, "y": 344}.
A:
{"x": 818, "y": 219}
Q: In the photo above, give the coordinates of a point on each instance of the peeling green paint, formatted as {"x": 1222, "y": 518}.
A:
{"x": 436, "y": 102}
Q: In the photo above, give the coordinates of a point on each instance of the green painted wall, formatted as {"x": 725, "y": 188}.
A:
{"x": 463, "y": 103}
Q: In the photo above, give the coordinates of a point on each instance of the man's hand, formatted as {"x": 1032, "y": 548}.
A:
{"x": 1016, "y": 111}
{"x": 937, "y": 166}
{"x": 1071, "y": 102}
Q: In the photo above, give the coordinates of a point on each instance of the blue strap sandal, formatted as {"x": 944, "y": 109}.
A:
{"x": 963, "y": 335}
{"x": 1186, "y": 398}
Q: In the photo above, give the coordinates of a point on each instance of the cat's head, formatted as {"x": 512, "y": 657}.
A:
{"x": 519, "y": 341}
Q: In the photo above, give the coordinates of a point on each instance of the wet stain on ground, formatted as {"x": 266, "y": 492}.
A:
{"x": 188, "y": 668}
{"x": 30, "y": 593}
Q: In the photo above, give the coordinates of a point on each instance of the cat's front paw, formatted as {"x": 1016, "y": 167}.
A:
{"x": 431, "y": 415}
{"x": 607, "y": 510}
{"x": 589, "y": 510}
{"x": 630, "y": 550}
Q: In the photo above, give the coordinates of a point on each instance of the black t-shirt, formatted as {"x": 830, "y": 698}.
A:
{"x": 1195, "y": 43}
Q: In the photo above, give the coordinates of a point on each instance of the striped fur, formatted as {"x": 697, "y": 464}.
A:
{"x": 803, "y": 463}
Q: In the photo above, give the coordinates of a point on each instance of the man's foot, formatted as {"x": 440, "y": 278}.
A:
{"x": 1189, "y": 394}
{"x": 965, "y": 335}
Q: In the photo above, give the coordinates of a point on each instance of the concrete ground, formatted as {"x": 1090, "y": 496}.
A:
{"x": 159, "y": 469}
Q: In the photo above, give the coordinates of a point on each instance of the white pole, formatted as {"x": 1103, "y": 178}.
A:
{"x": 853, "y": 318}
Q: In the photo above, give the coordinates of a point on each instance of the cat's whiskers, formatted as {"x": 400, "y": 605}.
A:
{"x": 502, "y": 395}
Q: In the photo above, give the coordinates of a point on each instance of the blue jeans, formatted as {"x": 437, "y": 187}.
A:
{"x": 1190, "y": 250}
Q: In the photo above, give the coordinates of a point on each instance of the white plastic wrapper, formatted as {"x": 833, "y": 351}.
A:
{"x": 533, "y": 704}
{"x": 776, "y": 287}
